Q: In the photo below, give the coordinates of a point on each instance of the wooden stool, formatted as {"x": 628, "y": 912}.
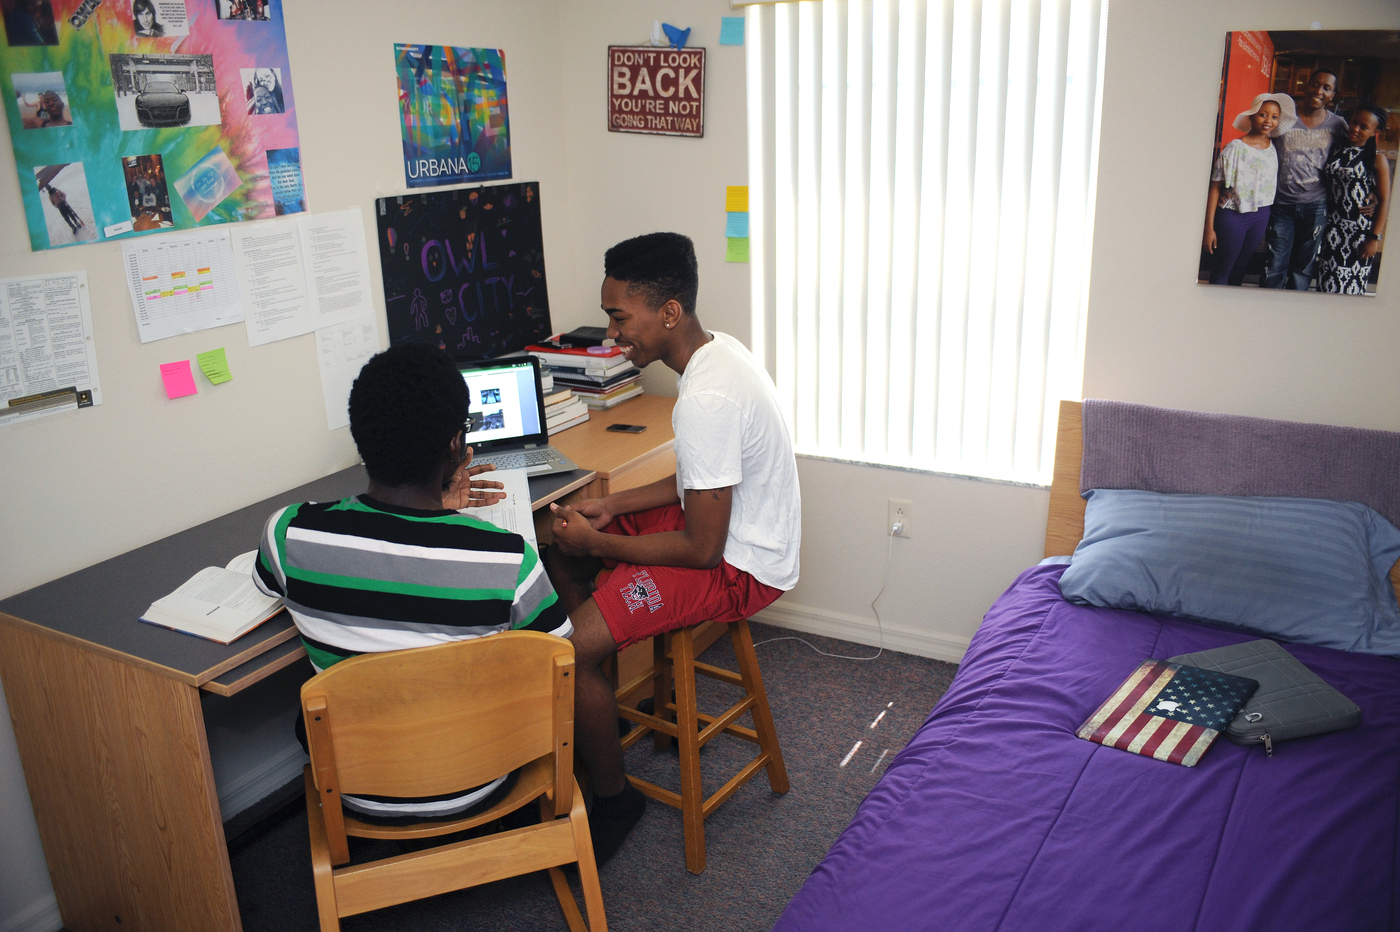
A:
{"x": 675, "y": 663}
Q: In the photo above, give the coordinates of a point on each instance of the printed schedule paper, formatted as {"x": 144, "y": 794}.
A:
{"x": 46, "y": 346}
{"x": 182, "y": 283}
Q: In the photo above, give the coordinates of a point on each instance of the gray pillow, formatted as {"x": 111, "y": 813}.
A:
{"x": 1303, "y": 570}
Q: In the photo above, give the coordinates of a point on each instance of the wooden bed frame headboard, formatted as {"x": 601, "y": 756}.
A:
{"x": 1066, "y": 524}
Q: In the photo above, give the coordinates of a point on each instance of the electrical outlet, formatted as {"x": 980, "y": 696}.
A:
{"x": 901, "y": 512}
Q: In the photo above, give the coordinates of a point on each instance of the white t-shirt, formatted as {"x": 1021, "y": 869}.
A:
{"x": 730, "y": 433}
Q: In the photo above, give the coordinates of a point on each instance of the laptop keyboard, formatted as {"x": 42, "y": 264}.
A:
{"x": 523, "y": 459}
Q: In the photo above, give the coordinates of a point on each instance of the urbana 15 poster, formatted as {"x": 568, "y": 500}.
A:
{"x": 130, "y": 116}
{"x": 455, "y": 114}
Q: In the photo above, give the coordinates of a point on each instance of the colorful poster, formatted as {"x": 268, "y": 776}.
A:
{"x": 456, "y": 118}
{"x": 464, "y": 269}
{"x": 110, "y": 99}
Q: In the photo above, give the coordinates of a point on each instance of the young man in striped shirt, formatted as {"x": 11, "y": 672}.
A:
{"x": 397, "y": 567}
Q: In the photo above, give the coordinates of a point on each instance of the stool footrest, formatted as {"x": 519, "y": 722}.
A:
{"x": 719, "y": 673}
{"x": 673, "y": 799}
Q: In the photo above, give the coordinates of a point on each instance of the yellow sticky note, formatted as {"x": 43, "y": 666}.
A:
{"x": 215, "y": 365}
{"x": 736, "y": 198}
{"x": 738, "y": 250}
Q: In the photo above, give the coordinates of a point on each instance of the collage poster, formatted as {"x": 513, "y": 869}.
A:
{"x": 464, "y": 269}
{"x": 455, "y": 114}
{"x": 1307, "y": 133}
{"x": 129, "y": 116}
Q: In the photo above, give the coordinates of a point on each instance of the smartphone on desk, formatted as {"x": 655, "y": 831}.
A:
{"x": 627, "y": 428}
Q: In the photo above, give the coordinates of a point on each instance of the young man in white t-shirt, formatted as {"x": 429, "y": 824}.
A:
{"x": 717, "y": 543}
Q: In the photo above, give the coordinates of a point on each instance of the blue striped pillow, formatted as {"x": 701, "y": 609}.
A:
{"x": 1298, "y": 569}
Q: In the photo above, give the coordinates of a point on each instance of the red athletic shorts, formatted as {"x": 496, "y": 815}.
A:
{"x": 640, "y": 601}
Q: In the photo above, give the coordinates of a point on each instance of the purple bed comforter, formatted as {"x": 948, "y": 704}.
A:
{"x": 996, "y": 817}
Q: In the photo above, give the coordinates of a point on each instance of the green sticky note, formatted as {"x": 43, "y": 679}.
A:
{"x": 738, "y": 250}
{"x": 215, "y": 365}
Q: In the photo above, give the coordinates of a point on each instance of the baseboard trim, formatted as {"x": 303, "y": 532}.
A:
{"x": 860, "y": 630}
{"x": 41, "y": 916}
{"x": 257, "y": 784}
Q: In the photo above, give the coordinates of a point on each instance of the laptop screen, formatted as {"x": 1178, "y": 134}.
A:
{"x": 506, "y": 407}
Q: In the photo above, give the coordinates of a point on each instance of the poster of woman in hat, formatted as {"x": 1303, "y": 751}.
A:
{"x": 1285, "y": 113}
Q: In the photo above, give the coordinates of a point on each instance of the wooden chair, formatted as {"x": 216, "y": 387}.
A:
{"x": 674, "y": 663}
{"x": 435, "y": 720}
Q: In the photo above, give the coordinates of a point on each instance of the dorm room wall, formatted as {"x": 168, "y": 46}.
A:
{"x": 1150, "y": 338}
{"x": 85, "y": 486}
{"x": 1153, "y": 337}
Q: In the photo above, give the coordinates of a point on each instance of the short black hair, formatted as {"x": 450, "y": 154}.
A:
{"x": 405, "y": 406}
{"x": 1336, "y": 78}
{"x": 660, "y": 265}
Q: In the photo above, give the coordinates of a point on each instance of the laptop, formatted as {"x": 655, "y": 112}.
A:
{"x": 506, "y": 416}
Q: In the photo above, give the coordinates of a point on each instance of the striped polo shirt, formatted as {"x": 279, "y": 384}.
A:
{"x": 360, "y": 576}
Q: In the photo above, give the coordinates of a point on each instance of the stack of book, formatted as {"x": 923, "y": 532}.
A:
{"x": 600, "y": 376}
{"x": 562, "y": 410}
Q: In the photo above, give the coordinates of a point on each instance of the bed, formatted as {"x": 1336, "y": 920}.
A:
{"x": 996, "y": 817}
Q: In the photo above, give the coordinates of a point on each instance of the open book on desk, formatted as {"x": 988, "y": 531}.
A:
{"x": 218, "y": 603}
{"x": 512, "y": 513}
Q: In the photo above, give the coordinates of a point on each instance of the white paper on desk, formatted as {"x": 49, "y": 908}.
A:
{"x": 46, "y": 339}
{"x": 181, "y": 283}
{"x": 272, "y": 277}
{"x": 512, "y": 513}
{"x": 341, "y": 350}
{"x": 337, "y": 266}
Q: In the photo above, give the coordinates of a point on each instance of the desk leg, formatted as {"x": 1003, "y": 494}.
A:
{"x": 118, "y": 770}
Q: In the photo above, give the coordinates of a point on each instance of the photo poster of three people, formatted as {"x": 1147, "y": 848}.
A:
{"x": 134, "y": 116}
{"x": 1306, "y": 140}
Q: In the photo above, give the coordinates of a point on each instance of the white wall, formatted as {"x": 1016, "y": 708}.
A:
{"x": 1153, "y": 336}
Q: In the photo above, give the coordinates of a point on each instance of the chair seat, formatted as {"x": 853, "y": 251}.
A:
{"x": 680, "y": 720}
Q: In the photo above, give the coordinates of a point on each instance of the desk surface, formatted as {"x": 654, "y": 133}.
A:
{"x": 609, "y": 452}
{"x": 99, "y": 606}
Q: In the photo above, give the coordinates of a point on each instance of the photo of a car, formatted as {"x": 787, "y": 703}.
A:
{"x": 161, "y": 103}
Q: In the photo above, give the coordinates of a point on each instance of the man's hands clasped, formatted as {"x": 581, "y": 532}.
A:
{"x": 575, "y": 524}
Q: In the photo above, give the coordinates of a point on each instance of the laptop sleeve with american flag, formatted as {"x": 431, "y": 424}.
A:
{"x": 1168, "y": 711}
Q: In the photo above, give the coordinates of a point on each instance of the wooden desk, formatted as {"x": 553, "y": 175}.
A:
{"x": 623, "y": 461}
{"x": 107, "y": 713}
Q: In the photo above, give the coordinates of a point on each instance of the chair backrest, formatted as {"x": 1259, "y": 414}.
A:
{"x": 437, "y": 720}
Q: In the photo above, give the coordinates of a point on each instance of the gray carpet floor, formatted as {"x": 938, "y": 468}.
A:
{"x": 760, "y": 845}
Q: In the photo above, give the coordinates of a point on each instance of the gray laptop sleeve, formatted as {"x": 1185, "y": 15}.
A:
{"x": 1291, "y": 701}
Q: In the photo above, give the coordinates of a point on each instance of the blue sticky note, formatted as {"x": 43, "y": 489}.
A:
{"x": 736, "y": 223}
{"x": 731, "y": 30}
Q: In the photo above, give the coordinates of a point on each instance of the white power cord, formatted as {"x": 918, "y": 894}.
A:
{"x": 895, "y": 529}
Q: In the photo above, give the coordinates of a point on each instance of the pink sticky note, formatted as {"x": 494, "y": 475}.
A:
{"x": 179, "y": 380}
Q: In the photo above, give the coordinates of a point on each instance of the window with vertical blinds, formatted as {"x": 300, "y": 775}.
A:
{"x": 921, "y": 202}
